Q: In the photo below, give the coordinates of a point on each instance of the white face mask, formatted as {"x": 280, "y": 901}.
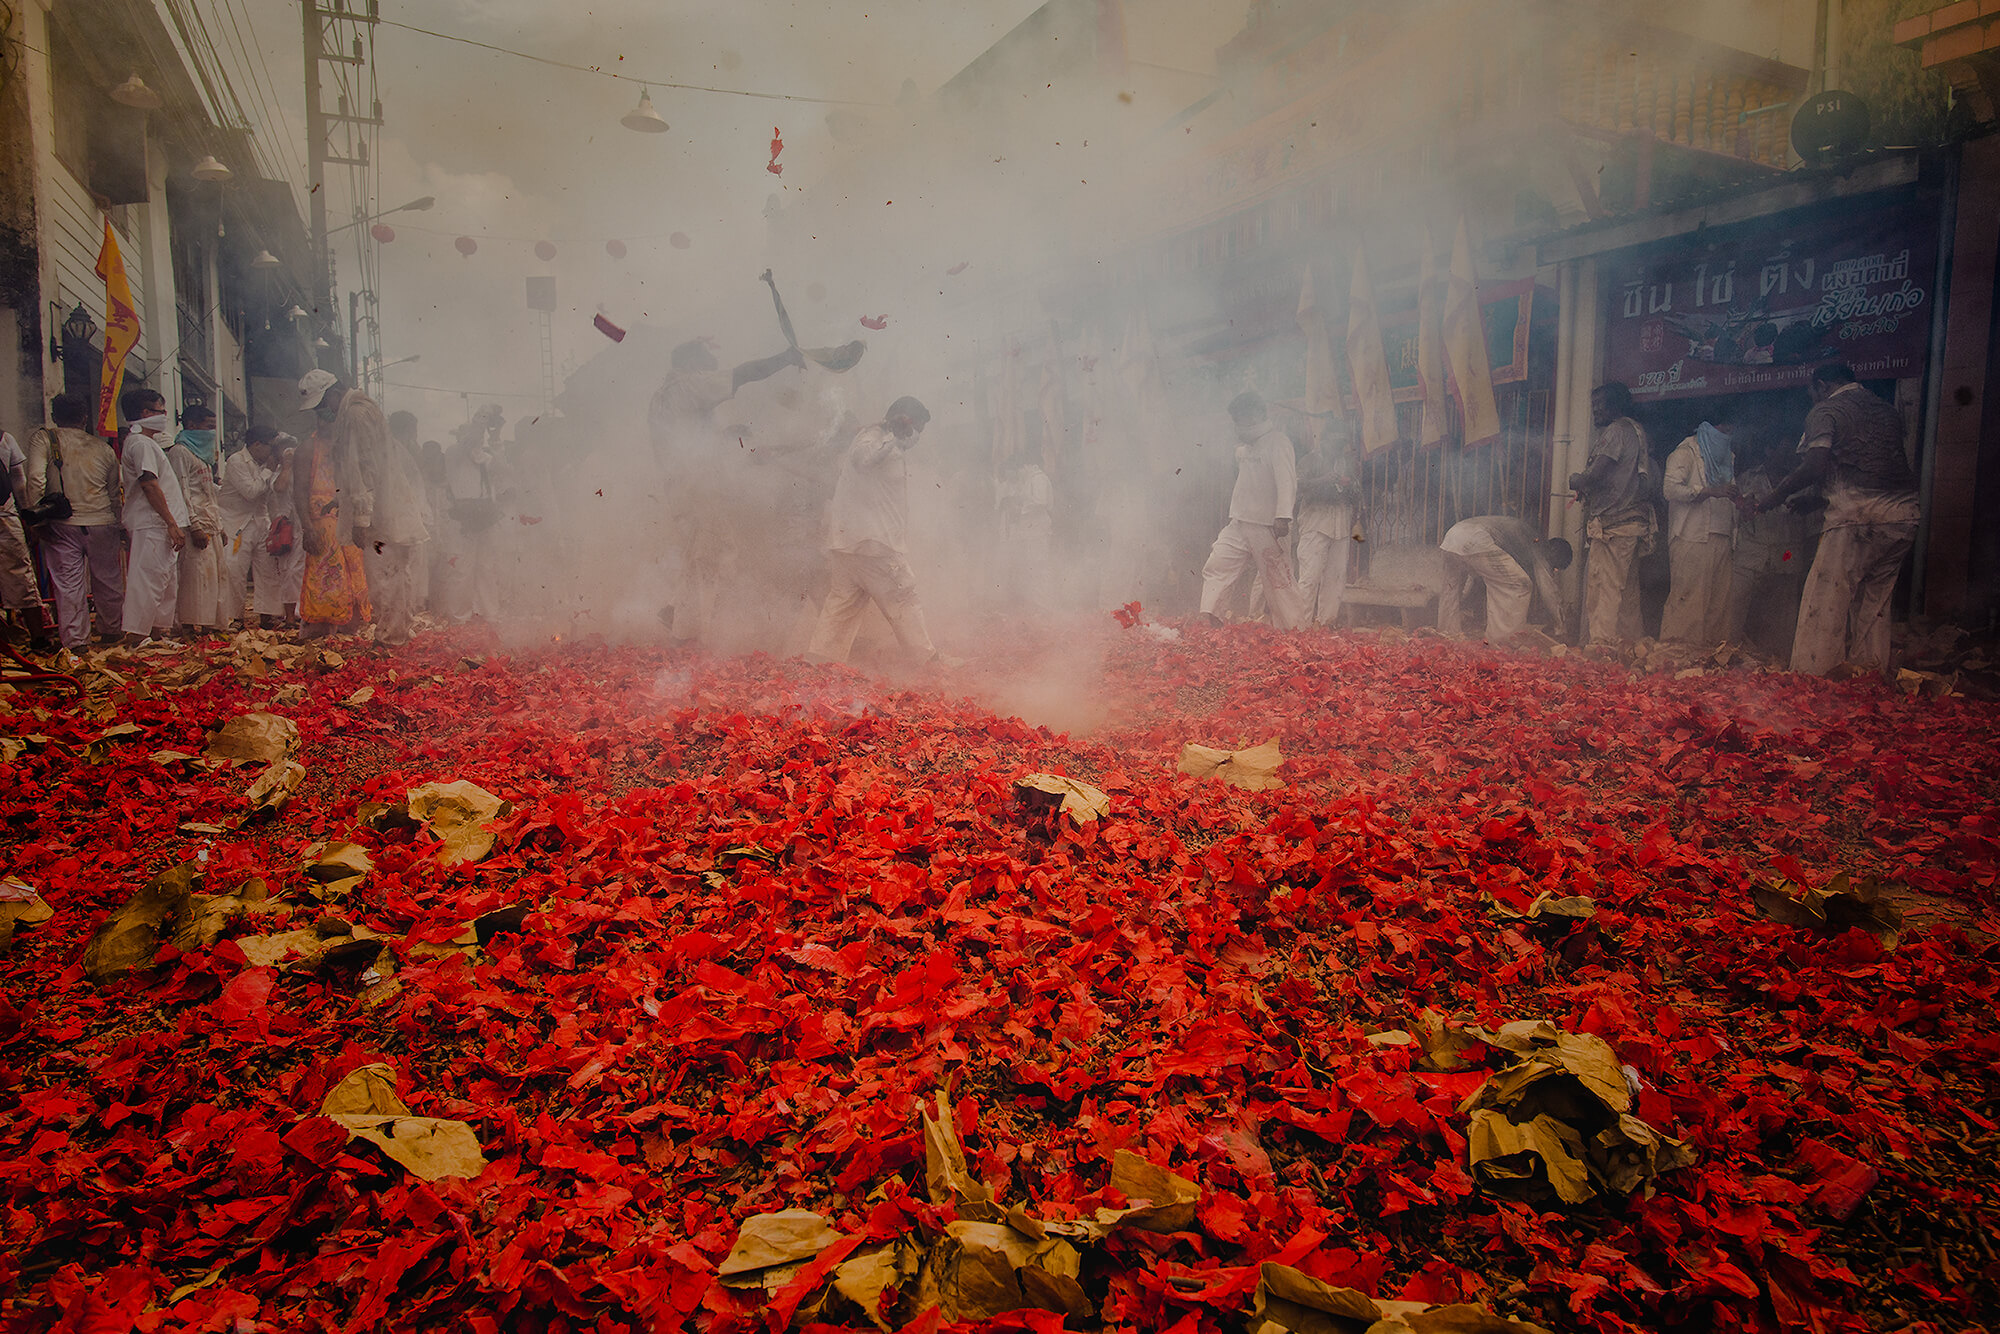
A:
{"x": 1248, "y": 432}
{"x": 153, "y": 425}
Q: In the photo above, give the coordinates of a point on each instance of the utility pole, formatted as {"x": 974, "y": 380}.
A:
{"x": 321, "y": 29}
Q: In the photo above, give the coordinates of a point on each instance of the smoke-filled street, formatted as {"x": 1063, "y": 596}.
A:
{"x": 943, "y": 666}
{"x": 741, "y": 918}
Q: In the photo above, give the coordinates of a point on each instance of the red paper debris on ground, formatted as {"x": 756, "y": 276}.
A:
{"x": 875, "y": 321}
{"x": 744, "y": 916}
{"x": 777, "y": 147}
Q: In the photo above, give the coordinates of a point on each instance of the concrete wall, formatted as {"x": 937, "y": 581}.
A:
{"x": 1962, "y": 406}
{"x": 70, "y": 227}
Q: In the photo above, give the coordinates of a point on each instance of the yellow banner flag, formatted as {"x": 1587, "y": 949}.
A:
{"x": 1465, "y": 345}
{"x": 1368, "y": 363}
{"x": 1431, "y": 370}
{"x": 121, "y": 330}
{"x": 1322, "y": 381}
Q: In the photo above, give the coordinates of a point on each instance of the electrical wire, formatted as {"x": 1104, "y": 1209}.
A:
{"x": 269, "y": 84}
{"x": 601, "y": 72}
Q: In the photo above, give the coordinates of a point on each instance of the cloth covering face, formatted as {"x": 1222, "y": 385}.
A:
{"x": 1689, "y": 472}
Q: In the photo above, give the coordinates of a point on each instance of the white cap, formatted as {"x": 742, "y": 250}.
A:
{"x": 313, "y": 386}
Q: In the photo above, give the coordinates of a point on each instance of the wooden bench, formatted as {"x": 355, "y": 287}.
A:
{"x": 1417, "y": 603}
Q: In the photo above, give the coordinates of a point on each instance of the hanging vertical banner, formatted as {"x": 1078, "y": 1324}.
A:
{"x": 121, "y": 330}
{"x": 1431, "y": 372}
{"x": 1465, "y": 345}
{"x": 1368, "y": 363}
{"x": 1322, "y": 379}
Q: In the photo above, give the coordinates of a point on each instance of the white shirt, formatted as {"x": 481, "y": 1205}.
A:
{"x": 1267, "y": 479}
{"x": 143, "y": 457}
{"x": 871, "y": 498}
{"x": 244, "y": 495}
{"x": 1689, "y": 519}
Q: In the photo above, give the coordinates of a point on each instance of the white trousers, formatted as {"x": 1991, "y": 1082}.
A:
{"x": 1697, "y": 610}
{"x": 1323, "y": 569}
{"x": 240, "y": 546}
{"x": 1239, "y": 548}
{"x": 1509, "y": 593}
{"x": 152, "y": 582}
{"x": 883, "y": 578}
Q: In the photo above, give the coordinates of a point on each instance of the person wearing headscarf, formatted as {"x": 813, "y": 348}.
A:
{"x": 199, "y": 600}
{"x": 1700, "y": 486}
{"x": 156, "y": 517}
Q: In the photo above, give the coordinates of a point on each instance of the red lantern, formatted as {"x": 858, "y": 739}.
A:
{"x": 545, "y": 251}
{"x": 615, "y": 249}
{"x": 382, "y": 232}
{"x": 679, "y": 241}
{"x": 466, "y": 246}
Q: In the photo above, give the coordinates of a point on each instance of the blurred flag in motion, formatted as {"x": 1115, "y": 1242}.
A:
{"x": 1465, "y": 344}
{"x": 1431, "y": 371}
{"x": 121, "y": 329}
{"x": 1322, "y": 379}
{"x": 1367, "y": 362}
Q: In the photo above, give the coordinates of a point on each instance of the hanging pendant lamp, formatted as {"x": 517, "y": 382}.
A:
{"x": 642, "y": 117}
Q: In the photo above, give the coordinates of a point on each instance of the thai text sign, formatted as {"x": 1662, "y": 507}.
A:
{"x": 1760, "y": 308}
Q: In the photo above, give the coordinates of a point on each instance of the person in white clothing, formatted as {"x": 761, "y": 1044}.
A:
{"x": 243, "y": 503}
{"x": 199, "y": 595}
{"x": 156, "y": 518}
{"x": 1260, "y": 518}
{"x": 1027, "y": 523}
{"x": 1515, "y": 566}
{"x": 278, "y": 565}
{"x": 19, "y": 591}
{"x": 1325, "y": 532}
{"x": 1700, "y": 486}
{"x": 867, "y": 538}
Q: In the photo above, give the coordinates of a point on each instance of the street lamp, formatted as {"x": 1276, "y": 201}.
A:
{"x": 642, "y": 117}
{"x": 414, "y": 206}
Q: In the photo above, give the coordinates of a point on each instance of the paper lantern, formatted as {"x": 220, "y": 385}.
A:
{"x": 679, "y": 241}
{"x": 615, "y": 249}
{"x": 383, "y": 232}
{"x": 545, "y": 251}
{"x": 466, "y": 246}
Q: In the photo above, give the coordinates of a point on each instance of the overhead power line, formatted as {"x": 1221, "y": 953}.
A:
{"x": 602, "y": 72}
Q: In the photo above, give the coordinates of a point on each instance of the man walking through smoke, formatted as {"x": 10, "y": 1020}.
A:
{"x": 867, "y": 537}
{"x": 1260, "y": 517}
{"x": 1853, "y": 445}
